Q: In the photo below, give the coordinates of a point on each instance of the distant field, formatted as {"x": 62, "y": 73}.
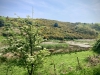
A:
{"x": 87, "y": 41}
{"x": 79, "y": 41}
{"x": 58, "y": 46}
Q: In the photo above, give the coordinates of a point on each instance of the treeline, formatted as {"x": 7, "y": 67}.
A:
{"x": 52, "y": 29}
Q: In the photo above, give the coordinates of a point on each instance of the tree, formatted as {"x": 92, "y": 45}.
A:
{"x": 56, "y": 25}
{"x": 23, "y": 46}
{"x": 1, "y": 22}
{"x": 96, "y": 47}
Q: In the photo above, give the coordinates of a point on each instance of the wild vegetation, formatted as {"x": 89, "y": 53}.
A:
{"x": 24, "y": 51}
{"x": 52, "y": 29}
{"x": 66, "y": 30}
{"x": 96, "y": 47}
{"x": 60, "y": 64}
{"x": 21, "y": 42}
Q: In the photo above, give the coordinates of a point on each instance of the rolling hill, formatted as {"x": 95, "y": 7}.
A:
{"x": 52, "y": 29}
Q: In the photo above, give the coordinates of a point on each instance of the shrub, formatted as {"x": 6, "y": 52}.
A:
{"x": 96, "y": 47}
{"x": 1, "y": 22}
{"x": 56, "y": 25}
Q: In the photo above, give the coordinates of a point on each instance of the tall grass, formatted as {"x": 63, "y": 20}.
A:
{"x": 55, "y": 46}
{"x": 11, "y": 70}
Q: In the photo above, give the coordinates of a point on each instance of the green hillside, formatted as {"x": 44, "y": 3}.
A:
{"x": 52, "y": 29}
{"x": 67, "y": 30}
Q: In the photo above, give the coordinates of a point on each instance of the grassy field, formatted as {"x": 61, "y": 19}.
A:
{"x": 59, "y": 64}
{"x": 55, "y": 45}
{"x": 63, "y": 62}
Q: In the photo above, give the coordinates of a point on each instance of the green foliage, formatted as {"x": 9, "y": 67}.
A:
{"x": 65, "y": 64}
{"x": 56, "y": 25}
{"x": 1, "y": 38}
{"x": 21, "y": 42}
{"x": 52, "y": 29}
{"x": 85, "y": 29}
{"x": 67, "y": 30}
{"x": 2, "y": 22}
{"x": 96, "y": 26}
{"x": 96, "y": 70}
{"x": 96, "y": 47}
{"x": 11, "y": 70}
{"x": 28, "y": 21}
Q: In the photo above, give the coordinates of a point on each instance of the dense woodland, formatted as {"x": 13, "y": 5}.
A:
{"x": 52, "y": 29}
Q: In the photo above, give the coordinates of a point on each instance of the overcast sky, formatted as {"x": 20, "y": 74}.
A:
{"x": 87, "y": 11}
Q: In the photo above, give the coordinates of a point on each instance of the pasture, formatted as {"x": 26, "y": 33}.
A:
{"x": 58, "y": 64}
{"x": 73, "y": 63}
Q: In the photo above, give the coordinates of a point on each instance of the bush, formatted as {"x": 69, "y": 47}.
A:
{"x": 1, "y": 22}
{"x": 56, "y": 25}
{"x": 96, "y": 47}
